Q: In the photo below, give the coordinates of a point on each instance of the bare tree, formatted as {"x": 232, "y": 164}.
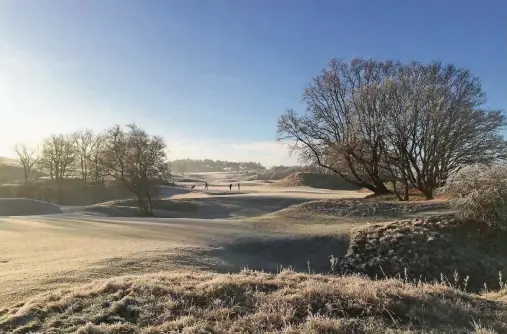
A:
{"x": 83, "y": 141}
{"x": 341, "y": 130}
{"x": 58, "y": 159}
{"x": 396, "y": 125}
{"x": 27, "y": 158}
{"x": 441, "y": 125}
{"x": 136, "y": 159}
{"x": 95, "y": 169}
{"x": 59, "y": 156}
{"x": 371, "y": 121}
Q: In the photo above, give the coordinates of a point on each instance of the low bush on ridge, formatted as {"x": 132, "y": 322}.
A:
{"x": 479, "y": 193}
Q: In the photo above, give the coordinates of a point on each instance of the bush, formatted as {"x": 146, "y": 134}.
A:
{"x": 479, "y": 193}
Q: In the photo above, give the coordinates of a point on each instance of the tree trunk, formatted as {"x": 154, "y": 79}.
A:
{"x": 150, "y": 208}
{"x": 428, "y": 193}
{"x": 378, "y": 189}
{"x": 141, "y": 205}
{"x": 59, "y": 191}
{"x": 405, "y": 191}
{"x": 144, "y": 207}
{"x": 400, "y": 196}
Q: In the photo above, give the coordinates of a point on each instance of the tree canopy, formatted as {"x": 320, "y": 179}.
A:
{"x": 371, "y": 121}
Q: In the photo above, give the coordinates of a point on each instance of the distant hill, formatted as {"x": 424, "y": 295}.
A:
{"x": 8, "y": 161}
{"x": 10, "y": 170}
{"x": 208, "y": 165}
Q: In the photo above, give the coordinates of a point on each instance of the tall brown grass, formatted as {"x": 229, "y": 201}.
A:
{"x": 254, "y": 302}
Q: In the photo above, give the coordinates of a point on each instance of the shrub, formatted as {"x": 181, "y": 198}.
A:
{"x": 479, "y": 192}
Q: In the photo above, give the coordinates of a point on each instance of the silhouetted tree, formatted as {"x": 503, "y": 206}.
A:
{"x": 137, "y": 159}
{"x": 341, "y": 130}
{"x": 370, "y": 121}
{"x": 58, "y": 158}
{"x": 27, "y": 158}
{"x": 434, "y": 124}
{"x": 83, "y": 141}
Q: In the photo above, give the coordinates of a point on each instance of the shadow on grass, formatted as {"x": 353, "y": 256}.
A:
{"x": 269, "y": 255}
{"x": 243, "y": 206}
{"x": 204, "y": 208}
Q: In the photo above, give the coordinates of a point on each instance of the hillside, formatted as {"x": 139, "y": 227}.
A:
{"x": 10, "y": 171}
{"x": 430, "y": 249}
{"x": 23, "y": 207}
{"x": 315, "y": 180}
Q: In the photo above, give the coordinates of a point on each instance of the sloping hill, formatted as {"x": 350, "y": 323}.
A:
{"x": 434, "y": 248}
{"x": 26, "y": 207}
{"x": 315, "y": 180}
{"x": 361, "y": 208}
{"x": 10, "y": 172}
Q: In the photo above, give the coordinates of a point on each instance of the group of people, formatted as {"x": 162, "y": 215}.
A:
{"x": 230, "y": 186}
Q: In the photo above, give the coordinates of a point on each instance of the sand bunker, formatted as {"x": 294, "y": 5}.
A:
{"x": 26, "y": 207}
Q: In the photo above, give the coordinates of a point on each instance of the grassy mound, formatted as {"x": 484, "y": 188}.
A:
{"x": 71, "y": 192}
{"x": 158, "y": 204}
{"x": 315, "y": 180}
{"x": 361, "y": 208}
{"x": 427, "y": 249}
{"x": 271, "y": 176}
{"x": 252, "y": 302}
{"x": 26, "y": 207}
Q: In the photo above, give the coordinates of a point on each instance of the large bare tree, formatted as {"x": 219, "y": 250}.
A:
{"x": 58, "y": 158}
{"x": 27, "y": 157}
{"x": 436, "y": 124}
{"x": 369, "y": 121}
{"x": 84, "y": 141}
{"x": 137, "y": 159}
{"x": 95, "y": 169}
{"x": 341, "y": 129}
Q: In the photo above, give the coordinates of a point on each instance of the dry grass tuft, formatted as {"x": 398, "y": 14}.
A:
{"x": 435, "y": 248}
{"x": 253, "y": 302}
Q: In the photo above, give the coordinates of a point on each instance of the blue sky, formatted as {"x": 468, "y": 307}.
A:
{"x": 212, "y": 76}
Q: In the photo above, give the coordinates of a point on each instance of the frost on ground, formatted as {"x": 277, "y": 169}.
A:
{"x": 441, "y": 248}
{"x": 253, "y": 302}
{"x": 363, "y": 208}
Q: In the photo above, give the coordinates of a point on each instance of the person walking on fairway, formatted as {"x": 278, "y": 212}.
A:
{"x": 230, "y": 187}
{"x": 205, "y": 185}
{"x": 238, "y": 186}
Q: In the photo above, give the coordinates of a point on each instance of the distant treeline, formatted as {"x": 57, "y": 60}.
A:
{"x": 208, "y": 165}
